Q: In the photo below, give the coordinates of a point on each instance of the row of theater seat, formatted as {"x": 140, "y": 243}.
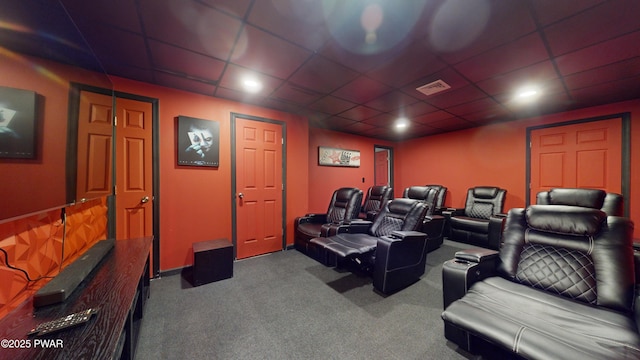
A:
{"x": 564, "y": 284}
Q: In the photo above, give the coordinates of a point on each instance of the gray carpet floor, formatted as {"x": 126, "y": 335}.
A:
{"x": 286, "y": 305}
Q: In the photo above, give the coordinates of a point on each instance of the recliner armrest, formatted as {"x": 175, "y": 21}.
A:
{"x": 407, "y": 234}
{"x": 496, "y": 226}
{"x": 312, "y": 218}
{"x": 353, "y": 226}
{"x": 476, "y": 255}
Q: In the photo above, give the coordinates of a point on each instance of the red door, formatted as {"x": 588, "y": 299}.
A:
{"x": 584, "y": 155}
{"x": 134, "y": 177}
{"x": 95, "y": 127}
{"x": 259, "y": 187}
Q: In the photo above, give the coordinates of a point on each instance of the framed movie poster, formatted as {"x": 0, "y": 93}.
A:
{"x": 17, "y": 123}
{"x": 198, "y": 142}
{"x": 338, "y": 157}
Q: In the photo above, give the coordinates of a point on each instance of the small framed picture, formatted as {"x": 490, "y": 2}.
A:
{"x": 17, "y": 123}
{"x": 338, "y": 157}
{"x": 198, "y": 142}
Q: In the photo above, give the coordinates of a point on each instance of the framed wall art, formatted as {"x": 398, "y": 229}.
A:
{"x": 328, "y": 156}
{"x": 198, "y": 142}
{"x": 17, "y": 123}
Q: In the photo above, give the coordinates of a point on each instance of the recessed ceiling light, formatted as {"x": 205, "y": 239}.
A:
{"x": 402, "y": 124}
{"x": 252, "y": 85}
{"x": 527, "y": 93}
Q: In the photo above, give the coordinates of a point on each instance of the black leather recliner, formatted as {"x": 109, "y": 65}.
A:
{"x": 562, "y": 286}
{"x": 390, "y": 246}
{"x": 434, "y": 223}
{"x": 344, "y": 205}
{"x": 442, "y": 195}
{"x": 375, "y": 199}
{"x": 611, "y": 203}
{"x": 481, "y": 221}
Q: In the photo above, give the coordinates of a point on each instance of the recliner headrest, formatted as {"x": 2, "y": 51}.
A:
{"x": 416, "y": 192}
{"x": 485, "y": 192}
{"x": 401, "y": 205}
{"x": 344, "y": 194}
{"x": 592, "y": 198}
{"x": 565, "y": 219}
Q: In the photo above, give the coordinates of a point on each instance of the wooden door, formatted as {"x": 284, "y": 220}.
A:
{"x": 95, "y": 138}
{"x": 583, "y": 155}
{"x": 259, "y": 186}
{"x": 134, "y": 176}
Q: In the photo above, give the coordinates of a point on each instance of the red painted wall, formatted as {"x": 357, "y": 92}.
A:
{"x": 24, "y": 191}
{"x": 496, "y": 155}
{"x": 324, "y": 180}
{"x": 195, "y": 203}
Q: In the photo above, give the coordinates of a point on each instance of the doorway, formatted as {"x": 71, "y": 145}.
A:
{"x": 107, "y": 157}
{"x": 383, "y": 169}
{"x": 588, "y": 153}
{"x": 258, "y": 186}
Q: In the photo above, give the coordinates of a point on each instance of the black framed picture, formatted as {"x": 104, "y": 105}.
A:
{"x": 198, "y": 142}
{"x": 17, "y": 123}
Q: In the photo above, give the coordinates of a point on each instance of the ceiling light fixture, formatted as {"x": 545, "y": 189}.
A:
{"x": 252, "y": 85}
{"x": 402, "y": 124}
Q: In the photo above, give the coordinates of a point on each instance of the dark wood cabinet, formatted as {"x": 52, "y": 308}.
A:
{"x": 118, "y": 288}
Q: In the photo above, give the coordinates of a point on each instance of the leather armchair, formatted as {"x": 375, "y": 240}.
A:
{"x": 562, "y": 286}
{"x": 344, "y": 205}
{"x": 434, "y": 223}
{"x": 481, "y": 221}
{"x": 611, "y": 203}
{"x": 390, "y": 247}
{"x": 441, "y": 196}
{"x": 375, "y": 199}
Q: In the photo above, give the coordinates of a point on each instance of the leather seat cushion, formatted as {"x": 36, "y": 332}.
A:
{"x": 311, "y": 230}
{"x": 539, "y": 325}
{"x": 351, "y": 244}
{"x": 470, "y": 224}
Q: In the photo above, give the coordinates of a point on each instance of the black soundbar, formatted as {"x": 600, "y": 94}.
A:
{"x": 62, "y": 286}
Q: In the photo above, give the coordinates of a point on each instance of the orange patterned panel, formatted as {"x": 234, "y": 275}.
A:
{"x": 35, "y": 244}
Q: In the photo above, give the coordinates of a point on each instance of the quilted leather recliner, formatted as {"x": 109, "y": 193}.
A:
{"x": 344, "y": 205}
{"x": 390, "y": 246}
{"x": 434, "y": 223}
{"x": 375, "y": 199}
{"x": 441, "y": 196}
{"x": 611, "y": 203}
{"x": 563, "y": 286}
{"x": 481, "y": 221}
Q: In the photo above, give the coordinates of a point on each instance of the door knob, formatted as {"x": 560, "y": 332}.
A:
{"x": 144, "y": 199}
{"x": 241, "y": 195}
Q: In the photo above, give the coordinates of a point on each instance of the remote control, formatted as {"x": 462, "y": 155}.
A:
{"x": 63, "y": 322}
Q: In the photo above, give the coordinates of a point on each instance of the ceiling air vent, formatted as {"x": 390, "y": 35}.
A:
{"x": 433, "y": 87}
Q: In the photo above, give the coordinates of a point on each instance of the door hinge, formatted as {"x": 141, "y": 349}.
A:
{"x": 282, "y": 187}
{"x": 282, "y": 141}
{"x": 115, "y": 121}
{"x": 115, "y": 190}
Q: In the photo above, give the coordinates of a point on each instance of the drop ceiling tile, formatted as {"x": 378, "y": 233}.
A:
{"x": 331, "y": 105}
{"x": 414, "y": 62}
{"x": 391, "y": 101}
{"x": 600, "y": 54}
{"x": 512, "y": 81}
{"x": 362, "y": 89}
{"x": 296, "y": 94}
{"x": 322, "y": 75}
{"x": 451, "y": 124}
{"x": 600, "y": 23}
{"x": 268, "y": 54}
{"x": 381, "y": 120}
{"x": 456, "y": 97}
{"x": 515, "y": 55}
{"x": 119, "y": 13}
{"x": 549, "y": 11}
{"x": 280, "y": 105}
{"x": 187, "y": 63}
{"x": 358, "y": 127}
{"x": 473, "y": 106}
{"x": 300, "y": 22}
{"x": 237, "y": 8}
{"x": 118, "y": 46}
{"x": 415, "y": 109}
{"x": 239, "y": 96}
{"x": 359, "y": 113}
{"x": 433, "y": 117}
{"x": 603, "y": 93}
{"x": 178, "y": 82}
{"x": 193, "y": 26}
{"x": 507, "y": 21}
{"x": 336, "y": 123}
{"x": 612, "y": 72}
